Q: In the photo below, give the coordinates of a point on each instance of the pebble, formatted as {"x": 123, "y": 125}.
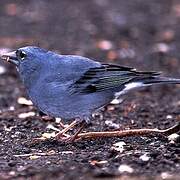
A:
{"x": 11, "y": 108}
{"x": 24, "y": 101}
{"x": 12, "y": 173}
{"x": 8, "y": 129}
{"x": 48, "y": 162}
{"x": 173, "y": 137}
{"x": 169, "y": 117}
{"x": 67, "y": 152}
{"x": 111, "y": 124}
{"x": 119, "y": 146}
{"x": 125, "y": 168}
{"x": 144, "y": 157}
{"x": 48, "y": 135}
{"x": 166, "y": 175}
{"x": 26, "y": 115}
{"x": 34, "y": 157}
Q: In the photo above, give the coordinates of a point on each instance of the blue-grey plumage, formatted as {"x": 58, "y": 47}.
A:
{"x": 72, "y": 87}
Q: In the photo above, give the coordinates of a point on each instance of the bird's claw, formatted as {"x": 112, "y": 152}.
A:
{"x": 60, "y": 136}
{"x": 66, "y": 138}
{"x": 71, "y": 139}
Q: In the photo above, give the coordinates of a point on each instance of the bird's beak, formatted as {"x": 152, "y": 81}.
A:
{"x": 10, "y": 57}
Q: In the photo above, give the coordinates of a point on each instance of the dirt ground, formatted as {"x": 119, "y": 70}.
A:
{"x": 138, "y": 33}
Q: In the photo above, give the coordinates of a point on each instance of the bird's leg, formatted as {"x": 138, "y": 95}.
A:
{"x": 46, "y": 118}
{"x": 62, "y": 125}
{"x": 60, "y": 134}
{"x": 132, "y": 132}
{"x": 75, "y": 136}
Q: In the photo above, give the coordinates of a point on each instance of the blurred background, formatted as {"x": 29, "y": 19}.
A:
{"x": 144, "y": 34}
{"x": 139, "y": 33}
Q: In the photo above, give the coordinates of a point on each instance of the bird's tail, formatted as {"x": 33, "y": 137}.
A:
{"x": 143, "y": 79}
{"x": 147, "y": 81}
{"x": 159, "y": 80}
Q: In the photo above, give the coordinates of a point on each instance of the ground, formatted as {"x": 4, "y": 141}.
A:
{"x": 142, "y": 34}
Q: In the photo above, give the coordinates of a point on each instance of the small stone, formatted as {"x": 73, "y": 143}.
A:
{"x": 8, "y": 129}
{"x": 21, "y": 168}
{"x": 173, "y": 137}
{"x": 144, "y": 157}
{"x": 166, "y": 175}
{"x": 11, "y": 108}
{"x": 12, "y": 173}
{"x": 26, "y": 115}
{"x": 111, "y": 124}
{"x": 48, "y": 162}
{"x": 33, "y": 157}
{"x": 169, "y": 117}
{"x": 48, "y": 135}
{"x": 67, "y": 152}
{"x": 125, "y": 168}
{"x": 132, "y": 121}
{"x": 119, "y": 146}
{"x": 24, "y": 101}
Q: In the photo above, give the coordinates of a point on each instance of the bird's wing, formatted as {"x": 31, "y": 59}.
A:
{"x": 105, "y": 77}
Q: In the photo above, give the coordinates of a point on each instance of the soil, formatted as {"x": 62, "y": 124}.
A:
{"x": 141, "y": 34}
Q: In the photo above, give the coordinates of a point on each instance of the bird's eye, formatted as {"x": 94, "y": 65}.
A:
{"x": 21, "y": 54}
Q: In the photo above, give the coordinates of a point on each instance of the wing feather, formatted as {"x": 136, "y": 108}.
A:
{"x": 106, "y": 77}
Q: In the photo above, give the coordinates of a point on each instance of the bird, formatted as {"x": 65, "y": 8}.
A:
{"x": 73, "y": 87}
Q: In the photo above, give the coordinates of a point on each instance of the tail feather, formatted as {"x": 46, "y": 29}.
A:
{"x": 146, "y": 81}
{"x": 159, "y": 80}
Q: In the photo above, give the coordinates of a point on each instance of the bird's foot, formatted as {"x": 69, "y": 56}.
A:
{"x": 46, "y": 118}
{"x": 72, "y": 138}
{"x": 60, "y": 134}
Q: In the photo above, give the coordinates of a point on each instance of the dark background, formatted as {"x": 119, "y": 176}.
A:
{"x": 139, "y": 33}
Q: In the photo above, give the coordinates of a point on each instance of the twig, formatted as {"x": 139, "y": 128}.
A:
{"x": 31, "y": 154}
{"x": 126, "y": 133}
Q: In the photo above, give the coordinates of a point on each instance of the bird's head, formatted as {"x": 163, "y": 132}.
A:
{"x": 25, "y": 56}
{"x": 28, "y": 60}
